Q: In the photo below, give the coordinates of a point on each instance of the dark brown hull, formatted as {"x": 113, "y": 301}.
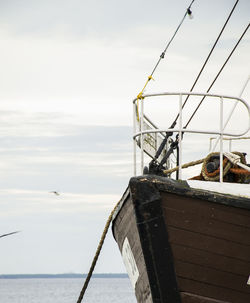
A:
{"x": 189, "y": 246}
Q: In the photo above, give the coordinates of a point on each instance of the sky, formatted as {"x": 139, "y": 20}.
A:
{"x": 69, "y": 73}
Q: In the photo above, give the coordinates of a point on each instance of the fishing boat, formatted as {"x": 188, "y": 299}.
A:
{"x": 186, "y": 239}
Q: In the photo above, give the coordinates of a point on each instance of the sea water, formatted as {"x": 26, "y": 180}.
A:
{"x": 100, "y": 290}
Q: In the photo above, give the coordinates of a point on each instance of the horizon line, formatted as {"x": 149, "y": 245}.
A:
{"x": 64, "y": 275}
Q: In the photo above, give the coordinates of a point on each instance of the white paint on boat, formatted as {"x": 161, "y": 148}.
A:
{"x": 129, "y": 262}
{"x": 235, "y": 189}
{"x": 248, "y": 281}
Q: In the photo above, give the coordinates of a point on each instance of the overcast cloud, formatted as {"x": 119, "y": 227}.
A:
{"x": 69, "y": 72}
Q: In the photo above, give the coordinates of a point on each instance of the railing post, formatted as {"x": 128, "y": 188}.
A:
{"x": 180, "y": 136}
{"x": 210, "y": 144}
{"x": 221, "y": 139}
{"x": 134, "y": 139}
{"x": 142, "y": 136}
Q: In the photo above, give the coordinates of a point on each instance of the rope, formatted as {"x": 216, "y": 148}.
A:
{"x": 193, "y": 163}
{"x": 218, "y": 74}
{"x": 209, "y": 55}
{"x": 215, "y": 175}
{"x": 98, "y": 250}
{"x": 140, "y": 95}
{"x": 239, "y": 171}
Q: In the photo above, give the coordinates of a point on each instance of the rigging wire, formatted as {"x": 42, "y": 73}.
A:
{"x": 231, "y": 113}
{"x": 197, "y": 78}
{"x": 188, "y": 12}
{"x": 209, "y": 55}
{"x": 224, "y": 64}
{"x": 174, "y": 144}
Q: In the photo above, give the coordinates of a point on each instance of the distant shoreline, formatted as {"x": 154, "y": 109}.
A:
{"x": 61, "y": 276}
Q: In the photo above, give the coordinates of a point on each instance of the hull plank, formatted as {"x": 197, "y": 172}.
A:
{"x": 190, "y": 215}
{"x": 213, "y": 292}
{"x": 191, "y": 298}
{"x": 210, "y": 249}
{"x": 232, "y": 215}
{"x": 212, "y": 260}
{"x": 210, "y": 244}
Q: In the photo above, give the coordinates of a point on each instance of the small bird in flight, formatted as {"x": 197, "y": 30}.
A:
{"x": 14, "y": 232}
{"x": 55, "y": 192}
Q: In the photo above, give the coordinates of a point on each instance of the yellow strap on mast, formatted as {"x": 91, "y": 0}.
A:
{"x": 140, "y": 96}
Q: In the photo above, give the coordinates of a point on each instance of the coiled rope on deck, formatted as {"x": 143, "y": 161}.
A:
{"x": 215, "y": 175}
{"x": 228, "y": 166}
{"x": 98, "y": 250}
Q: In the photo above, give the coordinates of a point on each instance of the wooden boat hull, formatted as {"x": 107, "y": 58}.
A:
{"x": 184, "y": 245}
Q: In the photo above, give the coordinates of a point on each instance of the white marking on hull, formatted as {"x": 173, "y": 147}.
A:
{"x": 129, "y": 262}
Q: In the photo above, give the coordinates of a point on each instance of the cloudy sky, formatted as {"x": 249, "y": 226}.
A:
{"x": 69, "y": 72}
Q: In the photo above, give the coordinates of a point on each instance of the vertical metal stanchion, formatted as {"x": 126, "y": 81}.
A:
{"x": 210, "y": 144}
{"x": 180, "y": 136}
{"x": 221, "y": 139}
{"x": 142, "y": 137}
{"x": 134, "y": 139}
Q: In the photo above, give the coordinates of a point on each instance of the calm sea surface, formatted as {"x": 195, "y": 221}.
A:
{"x": 100, "y": 290}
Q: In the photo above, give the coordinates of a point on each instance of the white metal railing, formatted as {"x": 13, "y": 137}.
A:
{"x": 140, "y": 131}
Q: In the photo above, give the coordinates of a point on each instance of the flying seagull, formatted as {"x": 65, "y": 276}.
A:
{"x": 55, "y": 192}
{"x": 14, "y": 232}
